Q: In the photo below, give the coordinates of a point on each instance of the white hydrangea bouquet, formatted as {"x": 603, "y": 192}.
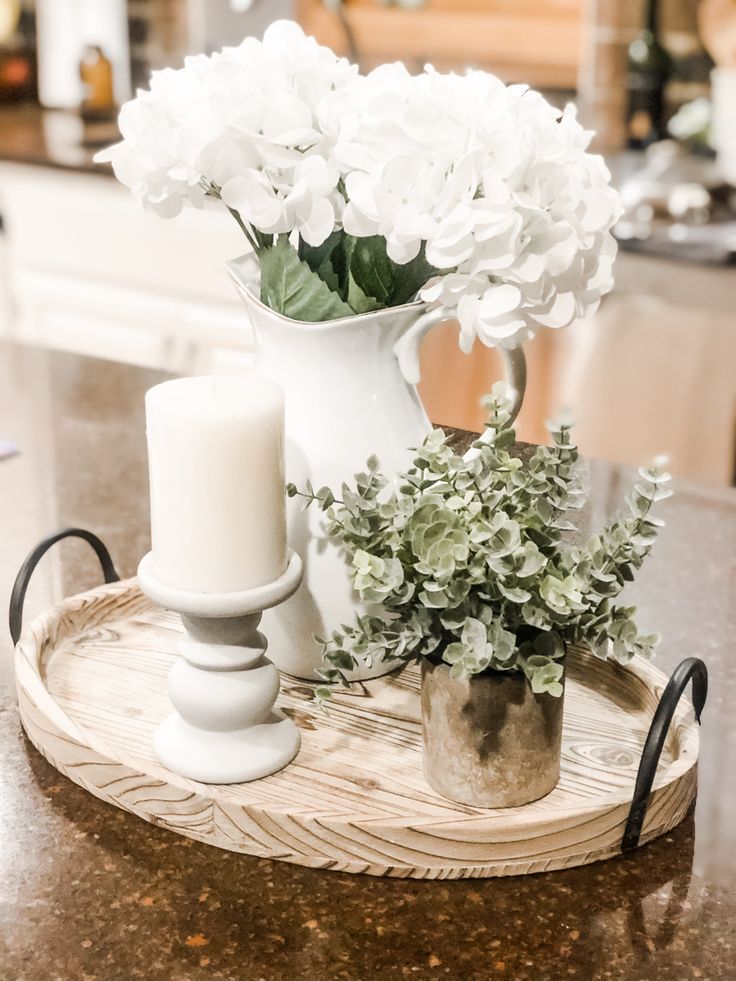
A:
{"x": 359, "y": 192}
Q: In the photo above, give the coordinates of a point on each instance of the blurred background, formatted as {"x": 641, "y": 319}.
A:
{"x": 83, "y": 269}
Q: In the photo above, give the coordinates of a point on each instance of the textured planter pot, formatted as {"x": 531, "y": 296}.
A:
{"x": 489, "y": 741}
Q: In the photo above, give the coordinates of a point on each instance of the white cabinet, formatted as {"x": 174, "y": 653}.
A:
{"x": 86, "y": 270}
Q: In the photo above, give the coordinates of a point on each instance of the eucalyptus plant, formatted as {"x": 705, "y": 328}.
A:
{"x": 467, "y": 560}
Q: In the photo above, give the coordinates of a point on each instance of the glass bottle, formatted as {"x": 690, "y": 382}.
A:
{"x": 649, "y": 69}
{"x": 96, "y": 72}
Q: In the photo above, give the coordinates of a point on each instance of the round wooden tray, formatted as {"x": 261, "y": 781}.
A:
{"x": 91, "y": 676}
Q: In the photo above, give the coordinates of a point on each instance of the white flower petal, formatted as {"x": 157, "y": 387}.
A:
{"x": 253, "y": 201}
{"x": 600, "y": 210}
{"x": 560, "y": 314}
{"x": 355, "y": 222}
{"x": 403, "y": 251}
{"x": 499, "y": 301}
{"x": 319, "y": 224}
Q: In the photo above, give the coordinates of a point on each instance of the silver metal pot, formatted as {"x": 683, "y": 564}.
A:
{"x": 489, "y": 741}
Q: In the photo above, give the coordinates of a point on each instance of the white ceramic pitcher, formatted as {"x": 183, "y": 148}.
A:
{"x": 350, "y": 392}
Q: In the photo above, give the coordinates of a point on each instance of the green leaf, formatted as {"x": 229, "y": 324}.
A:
{"x": 410, "y": 278}
{"x": 326, "y": 272}
{"x": 319, "y": 258}
{"x": 373, "y": 273}
{"x": 315, "y": 255}
{"x": 358, "y": 300}
{"x": 514, "y": 594}
{"x": 340, "y": 259}
{"x": 340, "y": 659}
{"x": 453, "y": 653}
{"x": 378, "y": 277}
{"x": 291, "y": 288}
{"x": 325, "y": 497}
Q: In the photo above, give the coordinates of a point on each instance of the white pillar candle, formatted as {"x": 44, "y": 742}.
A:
{"x": 216, "y": 463}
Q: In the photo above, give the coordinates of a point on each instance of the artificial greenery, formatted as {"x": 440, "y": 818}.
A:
{"x": 343, "y": 276}
{"x": 465, "y": 559}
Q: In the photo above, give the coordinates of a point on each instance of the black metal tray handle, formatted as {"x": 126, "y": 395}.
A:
{"x": 691, "y": 669}
{"x": 23, "y": 578}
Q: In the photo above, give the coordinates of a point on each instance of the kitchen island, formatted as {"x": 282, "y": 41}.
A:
{"x": 90, "y": 892}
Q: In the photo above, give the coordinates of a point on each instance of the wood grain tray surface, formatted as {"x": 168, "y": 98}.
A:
{"x": 91, "y": 676}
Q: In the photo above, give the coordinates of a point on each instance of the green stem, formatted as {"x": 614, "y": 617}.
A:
{"x": 247, "y": 231}
{"x": 312, "y": 498}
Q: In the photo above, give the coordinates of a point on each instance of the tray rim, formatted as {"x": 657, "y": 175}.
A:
{"x": 37, "y": 645}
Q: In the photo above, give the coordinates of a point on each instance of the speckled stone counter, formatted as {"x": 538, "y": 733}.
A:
{"x": 88, "y": 893}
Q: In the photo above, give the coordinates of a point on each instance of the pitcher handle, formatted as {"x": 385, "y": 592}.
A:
{"x": 407, "y": 347}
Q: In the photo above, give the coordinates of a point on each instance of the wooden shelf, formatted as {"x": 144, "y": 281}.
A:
{"x": 534, "y": 41}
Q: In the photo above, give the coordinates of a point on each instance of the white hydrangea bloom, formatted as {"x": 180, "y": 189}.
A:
{"x": 493, "y": 180}
{"x": 243, "y": 121}
{"x": 495, "y": 184}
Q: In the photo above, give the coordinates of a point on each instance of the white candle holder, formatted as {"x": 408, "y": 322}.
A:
{"x": 225, "y": 728}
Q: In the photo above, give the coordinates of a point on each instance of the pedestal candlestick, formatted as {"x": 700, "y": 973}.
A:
{"x": 225, "y": 728}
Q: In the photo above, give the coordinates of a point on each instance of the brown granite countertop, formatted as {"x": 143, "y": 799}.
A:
{"x": 53, "y": 138}
{"x": 89, "y": 892}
